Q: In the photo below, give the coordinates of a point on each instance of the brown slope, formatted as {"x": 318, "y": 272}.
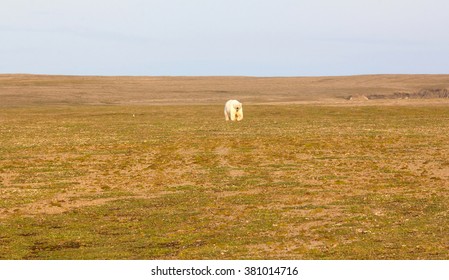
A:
{"x": 31, "y": 90}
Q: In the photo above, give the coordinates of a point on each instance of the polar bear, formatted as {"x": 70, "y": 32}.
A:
{"x": 233, "y": 110}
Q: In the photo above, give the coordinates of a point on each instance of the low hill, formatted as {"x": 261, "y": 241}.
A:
{"x": 32, "y": 90}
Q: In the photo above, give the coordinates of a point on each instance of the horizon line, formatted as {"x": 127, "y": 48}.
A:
{"x": 224, "y": 76}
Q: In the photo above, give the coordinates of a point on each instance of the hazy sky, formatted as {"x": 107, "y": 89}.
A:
{"x": 224, "y": 37}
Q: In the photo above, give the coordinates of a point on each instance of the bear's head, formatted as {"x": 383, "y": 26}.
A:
{"x": 237, "y": 106}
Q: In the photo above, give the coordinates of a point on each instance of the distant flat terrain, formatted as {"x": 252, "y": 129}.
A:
{"x": 31, "y": 90}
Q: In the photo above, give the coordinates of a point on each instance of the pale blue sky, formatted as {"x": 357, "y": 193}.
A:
{"x": 224, "y": 37}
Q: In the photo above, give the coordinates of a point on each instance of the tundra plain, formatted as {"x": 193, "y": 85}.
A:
{"x": 147, "y": 168}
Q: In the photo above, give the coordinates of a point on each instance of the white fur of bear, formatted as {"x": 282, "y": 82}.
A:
{"x": 233, "y": 110}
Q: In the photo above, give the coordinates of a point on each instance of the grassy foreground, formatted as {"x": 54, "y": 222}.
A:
{"x": 178, "y": 182}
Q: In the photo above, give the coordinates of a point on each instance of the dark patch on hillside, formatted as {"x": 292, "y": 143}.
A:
{"x": 421, "y": 94}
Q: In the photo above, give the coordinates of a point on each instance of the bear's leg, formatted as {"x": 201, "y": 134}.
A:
{"x": 233, "y": 115}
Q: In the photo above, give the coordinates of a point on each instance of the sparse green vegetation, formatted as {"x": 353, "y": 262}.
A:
{"x": 164, "y": 182}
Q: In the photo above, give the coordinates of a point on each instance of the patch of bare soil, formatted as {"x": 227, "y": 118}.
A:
{"x": 358, "y": 97}
{"x": 430, "y": 169}
{"x": 62, "y": 203}
{"x": 67, "y": 201}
